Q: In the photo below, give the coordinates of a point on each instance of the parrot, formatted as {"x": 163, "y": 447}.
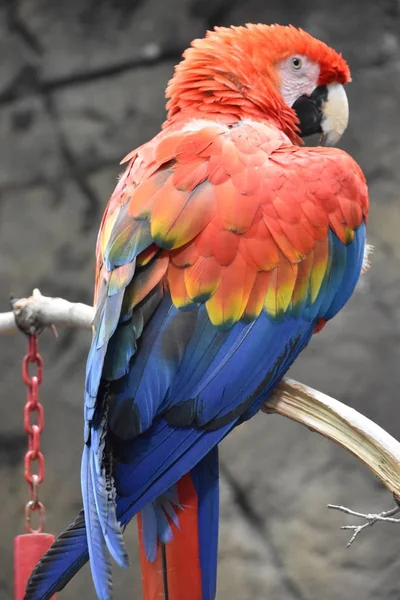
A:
{"x": 226, "y": 244}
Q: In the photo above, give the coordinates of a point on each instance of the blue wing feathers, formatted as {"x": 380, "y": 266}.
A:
{"x": 192, "y": 448}
{"x": 121, "y": 348}
{"x": 351, "y": 269}
{"x": 165, "y": 453}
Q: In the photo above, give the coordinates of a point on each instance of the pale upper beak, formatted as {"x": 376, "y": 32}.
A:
{"x": 335, "y": 114}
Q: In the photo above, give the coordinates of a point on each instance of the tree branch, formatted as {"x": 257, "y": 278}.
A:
{"x": 370, "y": 519}
{"x": 371, "y": 444}
{"x": 37, "y": 312}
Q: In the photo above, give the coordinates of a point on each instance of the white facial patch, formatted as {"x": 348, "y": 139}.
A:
{"x": 299, "y": 75}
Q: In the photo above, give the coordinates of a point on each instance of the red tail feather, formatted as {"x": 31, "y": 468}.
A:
{"x": 177, "y": 568}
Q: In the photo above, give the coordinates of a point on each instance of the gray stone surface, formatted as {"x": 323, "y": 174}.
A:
{"x": 82, "y": 83}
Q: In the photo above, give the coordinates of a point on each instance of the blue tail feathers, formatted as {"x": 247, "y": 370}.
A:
{"x": 205, "y": 476}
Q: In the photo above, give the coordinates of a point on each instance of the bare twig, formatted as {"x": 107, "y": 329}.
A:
{"x": 371, "y": 519}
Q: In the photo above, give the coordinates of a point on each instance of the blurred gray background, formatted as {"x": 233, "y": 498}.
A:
{"x": 81, "y": 84}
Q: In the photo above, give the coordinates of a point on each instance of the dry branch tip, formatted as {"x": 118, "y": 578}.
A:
{"x": 369, "y": 518}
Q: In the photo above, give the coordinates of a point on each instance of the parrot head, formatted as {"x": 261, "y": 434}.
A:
{"x": 264, "y": 72}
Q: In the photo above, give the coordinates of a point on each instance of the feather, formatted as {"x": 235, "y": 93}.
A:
{"x": 259, "y": 248}
{"x": 149, "y": 525}
{"x": 144, "y": 282}
{"x": 227, "y": 304}
{"x": 318, "y": 269}
{"x": 120, "y": 277}
{"x": 190, "y": 446}
{"x": 164, "y": 529}
{"x": 316, "y": 216}
{"x": 103, "y": 492}
{"x": 176, "y": 222}
{"x": 202, "y": 278}
{"x": 353, "y": 264}
{"x": 235, "y": 209}
{"x": 184, "y": 256}
{"x": 99, "y": 558}
{"x": 188, "y": 176}
{"x": 280, "y": 288}
{"x": 106, "y": 319}
{"x": 121, "y": 348}
{"x": 105, "y": 507}
{"x": 257, "y": 296}
{"x": 225, "y": 246}
{"x": 177, "y": 288}
{"x": 128, "y": 238}
{"x": 292, "y": 253}
{"x": 301, "y": 291}
{"x": 205, "y": 477}
{"x": 147, "y": 255}
{"x": 66, "y": 556}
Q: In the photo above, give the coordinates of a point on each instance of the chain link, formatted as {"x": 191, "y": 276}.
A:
{"x": 33, "y": 425}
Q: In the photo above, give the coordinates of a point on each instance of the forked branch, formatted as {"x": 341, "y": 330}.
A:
{"x": 369, "y": 518}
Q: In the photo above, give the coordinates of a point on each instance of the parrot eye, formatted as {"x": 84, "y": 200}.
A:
{"x": 297, "y": 63}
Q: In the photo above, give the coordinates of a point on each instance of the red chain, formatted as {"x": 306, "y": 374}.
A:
{"x": 33, "y": 411}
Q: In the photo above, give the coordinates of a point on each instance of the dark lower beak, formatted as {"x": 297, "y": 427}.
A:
{"x": 309, "y": 111}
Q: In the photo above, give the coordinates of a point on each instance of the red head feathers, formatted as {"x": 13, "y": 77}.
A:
{"x": 233, "y": 73}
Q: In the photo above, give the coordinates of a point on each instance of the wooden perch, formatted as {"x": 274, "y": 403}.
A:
{"x": 33, "y": 314}
{"x": 371, "y": 444}
{"x": 343, "y": 425}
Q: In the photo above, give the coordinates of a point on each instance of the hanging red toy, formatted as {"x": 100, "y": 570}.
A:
{"x": 30, "y": 547}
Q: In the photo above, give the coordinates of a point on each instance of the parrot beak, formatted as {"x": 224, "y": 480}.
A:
{"x": 325, "y": 112}
{"x": 335, "y": 112}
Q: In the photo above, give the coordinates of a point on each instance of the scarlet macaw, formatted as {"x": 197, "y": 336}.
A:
{"x": 225, "y": 245}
